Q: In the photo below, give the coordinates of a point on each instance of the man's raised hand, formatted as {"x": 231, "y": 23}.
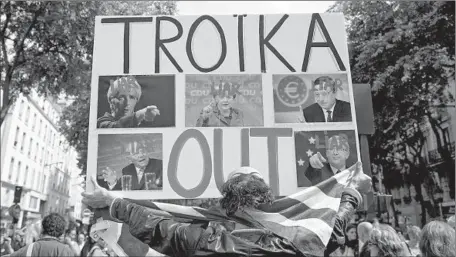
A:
{"x": 360, "y": 181}
{"x": 317, "y": 161}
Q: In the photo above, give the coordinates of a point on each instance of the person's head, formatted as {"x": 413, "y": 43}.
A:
{"x": 3, "y": 235}
{"x": 413, "y": 233}
{"x": 123, "y": 94}
{"x": 245, "y": 187}
{"x": 338, "y": 150}
{"x": 137, "y": 153}
{"x": 350, "y": 232}
{"x": 437, "y": 240}
{"x": 324, "y": 89}
{"x": 81, "y": 238}
{"x": 224, "y": 95}
{"x": 385, "y": 242}
{"x": 364, "y": 231}
{"x": 71, "y": 234}
{"x": 53, "y": 225}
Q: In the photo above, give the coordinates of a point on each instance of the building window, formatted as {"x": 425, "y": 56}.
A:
{"x": 30, "y": 148}
{"x": 42, "y": 155}
{"x": 34, "y": 122}
{"x": 11, "y": 167}
{"x": 36, "y": 151}
{"x": 21, "y": 109}
{"x": 18, "y": 172}
{"x": 43, "y": 184}
{"x": 27, "y": 116}
{"x": 26, "y": 178}
{"x": 24, "y": 135}
{"x": 44, "y": 133}
{"x": 40, "y": 127}
{"x": 16, "y": 137}
{"x": 33, "y": 202}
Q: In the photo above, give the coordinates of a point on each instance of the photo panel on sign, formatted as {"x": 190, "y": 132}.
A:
{"x": 129, "y": 162}
{"x": 223, "y": 100}
{"x": 312, "y": 98}
{"x": 322, "y": 154}
{"x": 136, "y": 101}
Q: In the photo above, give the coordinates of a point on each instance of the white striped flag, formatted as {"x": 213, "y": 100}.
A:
{"x": 306, "y": 218}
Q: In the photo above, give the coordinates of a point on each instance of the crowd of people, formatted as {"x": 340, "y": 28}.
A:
{"x": 56, "y": 239}
{"x": 369, "y": 239}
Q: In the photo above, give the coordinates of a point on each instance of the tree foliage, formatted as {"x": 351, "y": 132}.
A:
{"x": 406, "y": 52}
{"x": 48, "y": 46}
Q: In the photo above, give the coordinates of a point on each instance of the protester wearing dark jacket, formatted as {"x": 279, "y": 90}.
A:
{"x": 211, "y": 238}
{"x": 49, "y": 245}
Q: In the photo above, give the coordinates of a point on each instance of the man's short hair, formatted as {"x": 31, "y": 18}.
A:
{"x": 338, "y": 141}
{"x": 124, "y": 85}
{"x": 53, "y": 225}
{"x": 323, "y": 83}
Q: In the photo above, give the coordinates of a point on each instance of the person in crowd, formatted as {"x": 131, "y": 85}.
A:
{"x": 350, "y": 248}
{"x": 49, "y": 245}
{"x": 221, "y": 113}
{"x": 81, "y": 240}
{"x": 326, "y": 107}
{"x": 385, "y": 242}
{"x": 123, "y": 95}
{"x": 5, "y": 243}
{"x": 245, "y": 189}
{"x": 364, "y": 231}
{"x": 70, "y": 240}
{"x": 365, "y": 251}
{"x": 437, "y": 239}
{"x": 413, "y": 233}
{"x": 321, "y": 169}
{"x": 93, "y": 248}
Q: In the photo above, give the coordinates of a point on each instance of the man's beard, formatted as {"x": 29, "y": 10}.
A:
{"x": 243, "y": 191}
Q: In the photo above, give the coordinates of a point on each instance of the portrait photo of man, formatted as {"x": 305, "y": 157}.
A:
{"x": 223, "y": 101}
{"x": 320, "y": 156}
{"x": 130, "y": 162}
{"x": 124, "y": 102}
{"x": 142, "y": 165}
{"x": 327, "y": 108}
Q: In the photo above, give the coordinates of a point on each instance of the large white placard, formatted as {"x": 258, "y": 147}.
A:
{"x": 178, "y": 102}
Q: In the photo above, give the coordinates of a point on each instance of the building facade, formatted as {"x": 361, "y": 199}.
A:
{"x": 36, "y": 157}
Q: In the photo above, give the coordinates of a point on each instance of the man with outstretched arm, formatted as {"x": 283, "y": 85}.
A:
{"x": 244, "y": 191}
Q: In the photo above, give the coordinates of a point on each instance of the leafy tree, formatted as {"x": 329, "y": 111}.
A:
{"x": 405, "y": 51}
{"x": 74, "y": 121}
{"x": 48, "y": 45}
{"x": 44, "y": 45}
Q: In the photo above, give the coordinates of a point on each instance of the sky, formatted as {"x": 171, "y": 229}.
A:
{"x": 251, "y": 7}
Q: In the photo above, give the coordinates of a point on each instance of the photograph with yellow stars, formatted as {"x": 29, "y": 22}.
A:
{"x": 322, "y": 154}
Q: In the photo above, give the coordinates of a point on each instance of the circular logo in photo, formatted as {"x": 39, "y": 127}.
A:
{"x": 292, "y": 91}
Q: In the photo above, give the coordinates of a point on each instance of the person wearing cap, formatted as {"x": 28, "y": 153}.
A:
{"x": 326, "y": 107}
{"x": 221, "y": 113}
{"x": 320, "y": 168}
{"x": 123, "y": 95}
{"x": 244, "y": 190}
{"x": 141, "y": 164}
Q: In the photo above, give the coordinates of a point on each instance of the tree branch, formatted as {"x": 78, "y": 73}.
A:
{"x": 8, "y": 17}
{"x": 29, "y": 29}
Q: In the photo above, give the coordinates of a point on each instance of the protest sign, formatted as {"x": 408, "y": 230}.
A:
{"x": 178, "y": 102}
